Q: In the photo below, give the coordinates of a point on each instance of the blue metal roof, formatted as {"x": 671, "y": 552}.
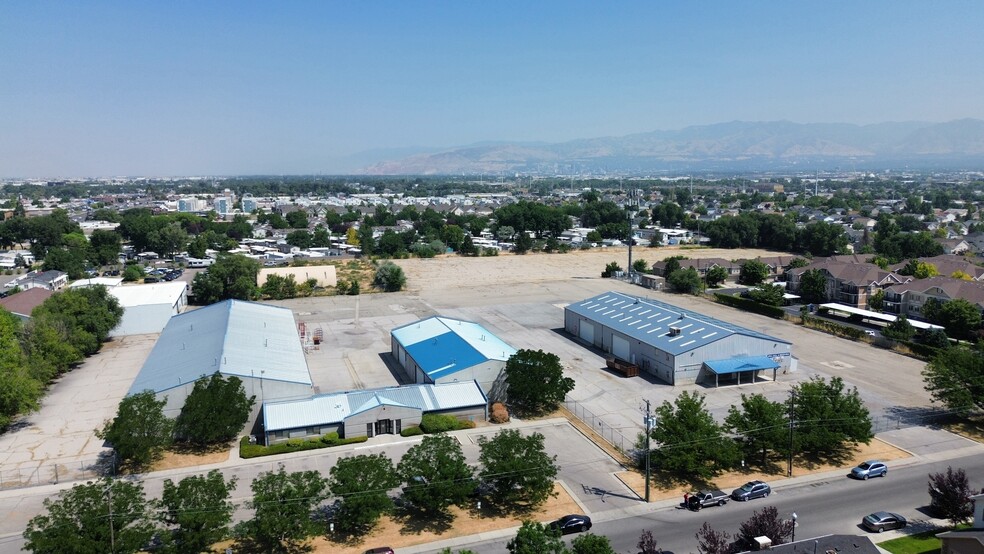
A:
{"x": 649, "y": 321}
{"x": 734, "y": 365}
{"x": 442, "y": 345}
{"x": 238, "y": 338}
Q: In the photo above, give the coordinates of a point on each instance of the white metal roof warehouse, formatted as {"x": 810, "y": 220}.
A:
{"x": 676, "y": 345}
{"x": 257, "y": 343}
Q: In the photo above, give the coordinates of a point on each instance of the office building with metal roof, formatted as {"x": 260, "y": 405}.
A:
{"x": 361, "y": 413}
{"x": 257, "y": 343}
{"x": 444, "y": 350}
{"x": 675, "y": 345}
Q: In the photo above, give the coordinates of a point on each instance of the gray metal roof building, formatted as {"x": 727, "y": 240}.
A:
{"x": 257, "y": 343}
{"x": 358, "y": 412}
{"x": 674, "y": 344}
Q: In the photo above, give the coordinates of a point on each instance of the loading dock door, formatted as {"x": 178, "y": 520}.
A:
{"x": 620, "y": 347}
{"x": 586, "y": 332}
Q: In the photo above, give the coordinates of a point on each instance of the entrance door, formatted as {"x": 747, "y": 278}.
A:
{"x": 586, "y": 332}
{"x": 620, "y": 347}
{"x": 384, "y": 426}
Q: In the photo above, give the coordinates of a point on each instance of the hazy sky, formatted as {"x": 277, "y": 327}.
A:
{"x": 210, "y": 87}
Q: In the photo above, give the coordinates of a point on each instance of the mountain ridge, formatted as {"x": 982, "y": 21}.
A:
{"x": 769, "y": 144}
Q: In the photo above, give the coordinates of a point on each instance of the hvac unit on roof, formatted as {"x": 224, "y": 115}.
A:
{"x": 674, "y": 331}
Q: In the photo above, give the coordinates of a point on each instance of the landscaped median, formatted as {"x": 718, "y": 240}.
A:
{"x": 248, "y": 450}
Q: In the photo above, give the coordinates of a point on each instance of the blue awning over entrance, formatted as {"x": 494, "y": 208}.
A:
{"x": 735, "y": 365}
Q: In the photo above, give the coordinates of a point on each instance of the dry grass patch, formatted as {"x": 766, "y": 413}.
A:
{"x": 179, "y": 458}
{"x": 972, "y": 428}
{"x": 666, "y": 487}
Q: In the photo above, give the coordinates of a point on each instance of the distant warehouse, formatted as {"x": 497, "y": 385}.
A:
{"x": 676, "y": 345}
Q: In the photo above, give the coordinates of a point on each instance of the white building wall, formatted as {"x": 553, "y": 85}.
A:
{"x": 139, "y": 320}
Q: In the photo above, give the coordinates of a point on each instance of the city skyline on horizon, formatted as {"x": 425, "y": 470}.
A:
{"x": 114, "y": 88}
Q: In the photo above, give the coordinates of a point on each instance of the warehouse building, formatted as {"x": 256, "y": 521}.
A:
{"x": 675, "y": 345}
{"x": 148, "y": 308}
{"x": 257, "y": 343}
{"x": 444, "y": 350}
{"x": 373, "y": 412}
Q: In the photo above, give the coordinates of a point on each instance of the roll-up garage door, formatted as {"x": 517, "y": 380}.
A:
{"x": 620, "y": 347}
{"x": 586, "y": 332}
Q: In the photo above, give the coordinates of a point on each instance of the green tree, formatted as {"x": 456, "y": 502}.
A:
{"x": 140, "y": 430}
{"x": 69, "y": 260}
{"x": 752, "y": 272}
{"x": 535, "y": 538}
{"x": 961, "y": 319}
{"x": 686, "y": 281}
{"x": 362, "y": 482}
{"x": 770, "y": 295}
{"x": 199, "y": 509}
{"x": 517, "y": 470}
{"x": 523, "y": 243}
{"x": 900, "y": 329}
{"x": 611, "y": 269}
{"x": 86, "y": 314}
{"x": 813, "y": 286}
{"x": 133, "y": 272}
{"x": 231, "y": 276}
{"x": 453, "y": 236}
{"x": 436, "y": 474}
{"x": 282, "y": 504}
{"x": 828, "y": 417}
{"x": 925, "y": 270}
{"x": 877, "y": 301}
{"x": 277, "y": 287}
{"x": 300, "y": 238}
{"x": 535, "y": 382}
{"x": 214, "y": 412}
{"x": 297, "y": 219}
{"x": 591, "y": 544}
{"x": 321, "y": 238}
{"x": 949, "y": 495}
{"x": 761, "y": 424}
{"x": 389, "y": 277}
{"x": 691, "y": 442}
{"x": 109, "y": 515}
{"x": 672, "y": 264}
{"x": 105, "y": 247}
{"x": 955, "y": 378}
{"x": 168, "y": 240}
{"x": 715, "y": 276}
{"x": 640, "y": 266}
{"x": 19, "y": 390}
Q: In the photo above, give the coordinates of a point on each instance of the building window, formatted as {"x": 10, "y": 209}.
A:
{"x": 369, "y": 429}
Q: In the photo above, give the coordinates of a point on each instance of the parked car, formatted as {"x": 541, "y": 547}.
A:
{"x": 871, "y": 468}
{"x": 880, "y": 521}
{"x": 707, "y": 498}
{"x": 380, "y": 550}
{"x": 572, "y": 523}
{"x": 750, "y": 490}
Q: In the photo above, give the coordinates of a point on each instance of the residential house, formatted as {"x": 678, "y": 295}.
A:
{"x": 848, "y": 283}
{"x": 50, "y": 280}
{"x": 701, "y": 265}
{"x": 948, "y": 264}
{"x": 966, "y": 541}
{"x": 908, "y": 298}
{"x": 23, "y": 303}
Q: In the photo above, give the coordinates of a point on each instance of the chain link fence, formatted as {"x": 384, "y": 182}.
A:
{"x": 611, "y": 435}
{"x": 53, "y": 471}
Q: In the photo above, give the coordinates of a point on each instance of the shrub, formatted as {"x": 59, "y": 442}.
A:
{"x": 438, "y": 423}
{"x": 247, "y": 450}
{"x": 749, "y": 305}
{"x": 499, "y": 413}
{"x": 8, "y": 272}
{"x": 411, "y": 431}
{"x": 331, "y": 439}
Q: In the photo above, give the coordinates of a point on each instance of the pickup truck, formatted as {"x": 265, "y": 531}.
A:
{"x": 707, "y": 498}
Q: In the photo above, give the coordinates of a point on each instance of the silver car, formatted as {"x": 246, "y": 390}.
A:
{"x": 871, "y": 468}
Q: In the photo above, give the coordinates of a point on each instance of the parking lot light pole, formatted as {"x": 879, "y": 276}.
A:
{"x": 795, "y": 517}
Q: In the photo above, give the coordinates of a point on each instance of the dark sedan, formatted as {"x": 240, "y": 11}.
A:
{"x": 573, "y": 523}
{"x": 880, "y": 521}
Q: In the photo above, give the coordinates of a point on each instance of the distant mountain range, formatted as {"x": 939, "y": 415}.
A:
{"x": 738, "y": 145}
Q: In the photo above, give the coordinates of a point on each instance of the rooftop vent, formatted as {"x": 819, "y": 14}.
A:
{"x": 674, "y": 331}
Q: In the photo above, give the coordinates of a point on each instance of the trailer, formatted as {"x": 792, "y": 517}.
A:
{"x": 625, "y": 368}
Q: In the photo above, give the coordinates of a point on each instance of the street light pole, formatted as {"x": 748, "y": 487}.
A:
{"x": 794, "y": 526}
{"x": 649, "y": 427}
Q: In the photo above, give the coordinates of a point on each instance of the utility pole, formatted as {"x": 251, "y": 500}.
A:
{"x": 112, "y": 534}
{"x": 649, "y": 428}
{"x": 792, "y": 401}
{"x": 629, "y": 238}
